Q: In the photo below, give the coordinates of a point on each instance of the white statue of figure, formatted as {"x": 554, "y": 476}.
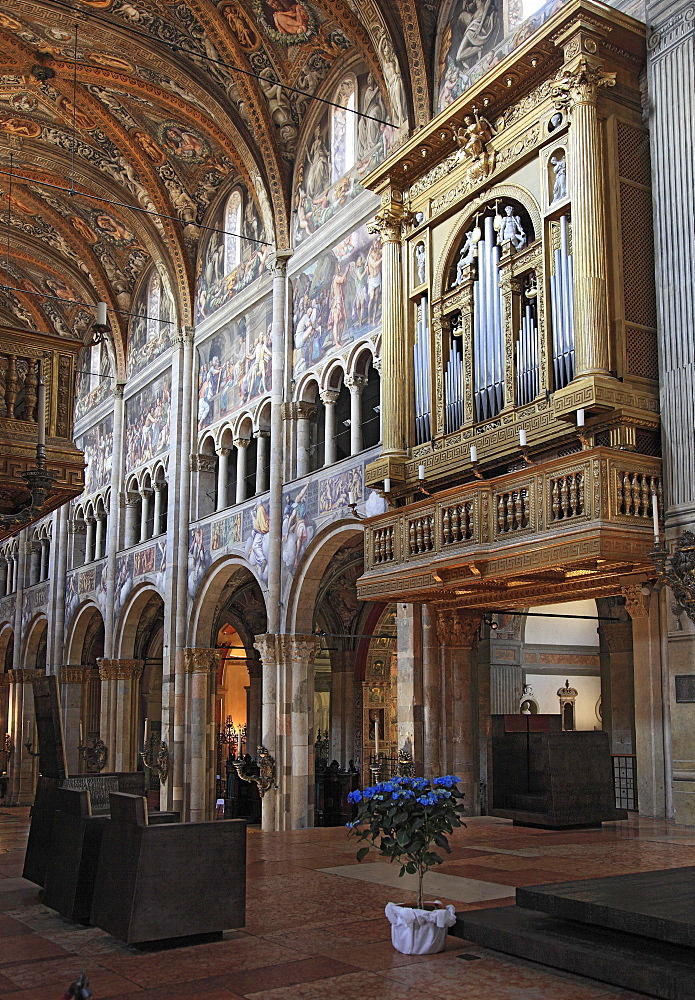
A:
{"x": 420, "y": 262}
{"x": 466, "y": 256}
{"x": 559, "y": 165}
{"x": 511, "y": 229}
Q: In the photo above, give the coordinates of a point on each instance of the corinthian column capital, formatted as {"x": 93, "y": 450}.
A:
{"x": 579, "y": 83}
{"x": 201, "y": 660}
{"x": 457, "y": 628}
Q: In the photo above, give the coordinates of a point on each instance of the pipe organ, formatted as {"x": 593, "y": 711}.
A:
{"x": 562, "y": 304}
{"x": 454, "y": 387}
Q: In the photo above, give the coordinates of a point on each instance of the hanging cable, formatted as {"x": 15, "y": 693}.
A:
{"x": 133, "y": 208}
{"x": 87, "y": 305}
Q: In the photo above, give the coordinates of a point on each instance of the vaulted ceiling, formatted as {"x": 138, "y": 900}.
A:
{"x": 120, "y": 122}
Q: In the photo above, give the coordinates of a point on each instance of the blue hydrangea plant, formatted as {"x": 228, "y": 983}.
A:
{"x": 405, "y": 817}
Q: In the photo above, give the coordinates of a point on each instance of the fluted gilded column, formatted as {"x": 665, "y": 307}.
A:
{"x": 396, "y": 355}
{"x": 576, "y": 91}
{"x": 119, "y": 711}
{"x": 201, "y": 666}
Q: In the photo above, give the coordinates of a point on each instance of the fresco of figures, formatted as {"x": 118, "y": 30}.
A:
{"x": 151, "y": 326}
{"x": 147, "y": 422}
{"x": 335, "y": 491}
{"x": 93, "y": 379}
{"x": 328, "y": 177}
{"x": 478, "y": 34}
{"x": 337, "y": 299}
{"x": 235, "y": 364}
{"x": 97, "y": 445}
{"x": 149, "y": 563}
{"x": 225, "y": 268}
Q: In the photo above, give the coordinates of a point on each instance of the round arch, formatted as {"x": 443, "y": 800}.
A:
{"x": 78, "y": 628}
{"x": 226, "y": 575}
{"x": 305, "y": 585}
{"x": 129, "y": 621}
{"x": 34, "y": 652}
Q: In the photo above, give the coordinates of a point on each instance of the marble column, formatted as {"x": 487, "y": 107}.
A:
{"x": 651, "y": 693}
{"x": 222, "y": 477}
{"x": 132, "y": 528}
{"x": 145, "y": 496}
{"x": 73, "y": 683}
{"x": 254, "y": 705}
{"x": 201, "y": 666}
{"x": 57, "y": 568}
{"x": 120, "y": 688}
{"x": 89, "y": 541}
{"x": 241, "y": 444}
{"x": 263, "y": 439}
{"x": 34, "y": 562}
{"x": 355, "y": 384}
{"x": 114, "y": 522}
{"x": 396, "y": 355}
{"x": 577, "y": 91}
{"x": 431, "y": 695}
{"x": 288, "y": 711}
{"x": 24, "y": 768}
{"x": 457, "y": 632}
{"x": 158, "y": 488}
{"x": 3, "y": 577}
{"x": 409, "y": 681}
{"x": 329, "y": 397}
{"x": 99, "y": 535}
{"x": 306, "y": 413}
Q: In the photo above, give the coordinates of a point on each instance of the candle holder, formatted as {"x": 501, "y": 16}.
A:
{"x": 525, "y": 455}
{"x": 157, "y": 762}
{"x": 475, "y": 470}
{"x": 677, "y": 569}
{"x": 94, "y": 755}
{"x": 32, "y": 753}
{"x": 352, "y": 507}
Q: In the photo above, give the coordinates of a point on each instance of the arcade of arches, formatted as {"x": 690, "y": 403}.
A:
{"x": 372, "y": 430}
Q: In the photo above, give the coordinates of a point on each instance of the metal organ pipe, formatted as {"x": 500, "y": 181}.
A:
{"x": 421, "y": 358}
{"x": 527, "y": 358}
{"x": 562, "y": 308}
{"x": 488, "y": 334}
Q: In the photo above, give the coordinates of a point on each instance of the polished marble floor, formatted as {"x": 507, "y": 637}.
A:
{"x": 314, "y": 934}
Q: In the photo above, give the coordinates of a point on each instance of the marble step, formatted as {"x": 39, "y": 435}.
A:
{"x": 631, "y": 962}
{"x": 657, "y": 904}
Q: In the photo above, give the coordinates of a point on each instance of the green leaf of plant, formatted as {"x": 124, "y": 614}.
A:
{"x": 362, "y": 853}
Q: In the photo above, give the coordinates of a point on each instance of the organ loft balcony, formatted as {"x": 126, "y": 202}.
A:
{"x": 569, "y": 528}
{"x": 30, "y": 489}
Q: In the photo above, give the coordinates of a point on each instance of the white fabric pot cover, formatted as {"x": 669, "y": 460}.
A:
{"x": 419, "y": 932}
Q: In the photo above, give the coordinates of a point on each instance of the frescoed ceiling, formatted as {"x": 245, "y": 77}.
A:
{"x": 120, "y": 122}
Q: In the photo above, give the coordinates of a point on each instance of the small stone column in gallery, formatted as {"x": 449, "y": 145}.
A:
{"x": 158, "y": 488}
{"x": 577, "y": 92}
{"x": 355, "y": 384}
{"x": 222, "y": 477}
{"x": 306, "y": 412}
{"x": 145, "y": 496}
{"x": 329, "y": 397}
{"x": 201, "y": 665}
{"x": 34, "y": 563}
{"x": 132, "y": 528}
{"x": 457, "y": 632}
{"x": 89, "y": 541}
{"x": 99, "y": 539}
{"x": 120, "y": 689}
{"x": 262, "y": 438}
{"x": 241, "y": 444}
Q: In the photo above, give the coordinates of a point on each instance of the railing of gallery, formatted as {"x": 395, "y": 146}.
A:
{"x": 595, "y": 484}
{"x": 625, "y": 779}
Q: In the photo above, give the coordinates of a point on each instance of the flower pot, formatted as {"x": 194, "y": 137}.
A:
{"x": 419, "y": 932}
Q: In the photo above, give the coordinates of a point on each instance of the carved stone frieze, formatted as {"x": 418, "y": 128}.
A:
{"x": 75, "y": 674}
{"x": 201, "y": 660}
{"x": 120, "y": 670}
{"x": 457, "y": 628}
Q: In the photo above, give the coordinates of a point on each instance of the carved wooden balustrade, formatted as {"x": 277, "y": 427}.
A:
{"x": 584, "y": 518}
{"x": 24, "y": 358}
